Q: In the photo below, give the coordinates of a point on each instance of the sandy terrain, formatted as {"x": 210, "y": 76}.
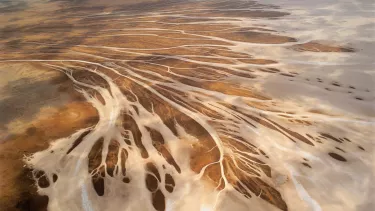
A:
{"x": 186, "y": 105}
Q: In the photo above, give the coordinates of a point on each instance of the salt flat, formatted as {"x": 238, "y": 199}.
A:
{"x": 187, "y": 105}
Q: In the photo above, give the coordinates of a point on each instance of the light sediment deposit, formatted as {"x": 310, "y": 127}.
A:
{"x": 187, "y": 105}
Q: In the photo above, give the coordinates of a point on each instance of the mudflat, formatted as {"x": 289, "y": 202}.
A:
{"x": 186, "y": 105}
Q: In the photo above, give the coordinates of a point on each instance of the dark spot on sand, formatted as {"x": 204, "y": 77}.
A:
{"x": 337, "y": 156}
{"x": 98, "y": 183}
{"x": 158, "y": 200}
{"x": 151, "y": 183}
{"x": 169, "y": 183}
{"x": 126, "y": 180}
{"x": 287, "y": 75}
{"x": 43, "y": 182}
{"x": 310, "y": 136}
{"x": 54, "y": 177}
{"x": 336, "y": 84}
{"x": 347, "y": 140}
{"x": 340, "y": 149}
{"x": 306, "y": 164}
{"x": 325, "y": 136}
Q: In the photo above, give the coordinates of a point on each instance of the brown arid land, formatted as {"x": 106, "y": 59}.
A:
{"x": 178, "y": 105}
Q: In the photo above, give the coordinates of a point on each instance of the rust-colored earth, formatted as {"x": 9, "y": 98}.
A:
{"x": 176, "y": 105}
